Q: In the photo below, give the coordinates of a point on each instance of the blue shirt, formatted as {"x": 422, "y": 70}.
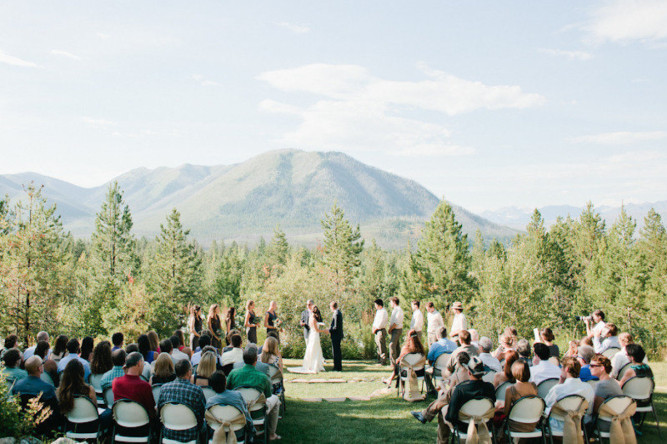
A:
{"x": 32, "y": 385}
{"x": 86, "y": 367}
{"x": 443, "y": 345}
{"x": 108, "y": 377}
{"x": 234, "y": 399}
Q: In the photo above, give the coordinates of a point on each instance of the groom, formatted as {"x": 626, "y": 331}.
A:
{"x": 336, "y": 332}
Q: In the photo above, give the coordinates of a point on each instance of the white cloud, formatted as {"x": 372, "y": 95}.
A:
{"x": 358, "y": 111}
{"x": 621, "y": 137}
{"x": 103, "y": 36}
{"x": 624, "y": 20}
{"x": 572, "y": 55}
{"x": 97, "y": 122}
{"x": 15, "y": 61}
{"x": 203, "y": 81}
{"x": 297, "y": 29}
{"x": 69, "y": 55}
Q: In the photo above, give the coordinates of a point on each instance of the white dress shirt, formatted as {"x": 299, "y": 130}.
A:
{"x": 544, "y": 370}
{"x": 381, "y": 319}
{"x": 598, "y": 327}
{"x": 396, "y": 318}
{"x": 491, "y": 362}
{"x": 605, "y": 344}
{"x": 417, "y": 323}
{"x": 459, "y": 323}
{"x": 231, "y": 356}
{"x": 435, "y": 322}
{"x": 571, "y": 386}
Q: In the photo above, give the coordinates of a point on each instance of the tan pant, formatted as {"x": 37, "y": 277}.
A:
{"x": 395, "y": 345}
{"x": 381, "y": 342}
{"x": 439, "y": 408}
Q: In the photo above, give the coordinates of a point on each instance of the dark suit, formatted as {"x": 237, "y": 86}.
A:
{"x": 336, "y": 331}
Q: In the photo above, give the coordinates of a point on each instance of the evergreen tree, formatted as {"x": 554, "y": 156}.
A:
{"x": 229, "y": 276}
{"x": 278, "y": 248}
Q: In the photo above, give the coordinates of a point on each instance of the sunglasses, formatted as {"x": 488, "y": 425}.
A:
{"x": 596, "y": 365}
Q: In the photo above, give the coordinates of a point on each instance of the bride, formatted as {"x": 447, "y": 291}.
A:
{"x": 313, "y": 361}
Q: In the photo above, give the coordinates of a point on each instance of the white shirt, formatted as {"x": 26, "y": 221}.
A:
{"x": 598, "y": 327}
{"x": 544, "y": 370}
{"x": 177, "y": 355}
{"x": 491, "y": 362}
{"x": 231, "y": 356}
{"x": 571, "y": 386}
{"x": 396, "y": 318}
{"x": 605, "y": 344}
{"x": 417, "y": 323}
{"x": 459, "y": 323}
{"x": 435, "y": 322}
{"x": 381, "y": 319}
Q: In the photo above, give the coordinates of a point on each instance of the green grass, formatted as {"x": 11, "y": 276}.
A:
{"x": 387, "y": 418}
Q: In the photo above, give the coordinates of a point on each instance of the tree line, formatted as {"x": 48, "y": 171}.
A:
{"x": 115, "y": 282}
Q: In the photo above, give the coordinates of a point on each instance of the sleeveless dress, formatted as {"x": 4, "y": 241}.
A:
{"x": 194, "y": 340}
{"x": 251, "y": 332}
{"x": 271, "y": 321}
{"x": 215, "y": 326}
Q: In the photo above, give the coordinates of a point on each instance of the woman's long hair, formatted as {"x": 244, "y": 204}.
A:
{"x": 212, "y": 310}
{"x": 87, "y": 345}
{"x": 164, "y": 366}
{"x": 511, "y": 357}
{"x": 144, "y": 345}
{"x": 60, "y": 347}
{"x": 269, "y": 349}
{"x": 154, "y": 340}
{"x": 231, "y": 313}
{"x": 317, "y": 314}
{"x": 101, "y": 361}
{"x": 413, "y": 344}
{"x": 248, "y": 304}
{"x": 207, "y": 364}
{"x": 71, "y": 383}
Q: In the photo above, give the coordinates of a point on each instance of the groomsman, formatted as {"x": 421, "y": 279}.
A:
{"x": 417, "y": 322}
{"x": 380, "y": 330}
{"x": 305, "y": 317}
{"x": 336, "y": 332}
{"x": 395, "y": 330}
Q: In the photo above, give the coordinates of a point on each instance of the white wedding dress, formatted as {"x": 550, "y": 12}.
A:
{"x": 313, "y": 361}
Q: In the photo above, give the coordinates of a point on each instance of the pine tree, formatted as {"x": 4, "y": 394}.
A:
{"x": 229, "y": 276}
{"x": 278, "y": 248}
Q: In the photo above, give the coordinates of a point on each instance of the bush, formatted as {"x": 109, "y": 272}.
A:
{"x": 15, "y": 422}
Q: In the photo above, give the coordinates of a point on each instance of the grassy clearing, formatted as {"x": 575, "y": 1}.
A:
{"x": 384, "y": 419}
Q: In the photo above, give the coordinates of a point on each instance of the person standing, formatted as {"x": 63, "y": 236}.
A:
{"x": 305, "y": 317}
{"x": 395, "y": 330}
{"x": 194, "y": 325}
{"x": 250, "y": 323}
{"x": 271, "y": 319}
{"x": 417, "y": 322}
{"x": 460, "y": 321}
{"x": 230, "y": 324}
{"x": 380, "y": 330}
{"x": 336, "y": 332}
{"x": 214, "y": 324}
{"x": 435, "y": 323}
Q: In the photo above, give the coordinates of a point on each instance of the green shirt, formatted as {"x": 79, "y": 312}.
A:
{"x": 249, "y": 376}
{"x": 15, "y": 373}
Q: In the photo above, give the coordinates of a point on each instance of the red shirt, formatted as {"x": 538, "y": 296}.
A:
{"x": 134, "y": 388}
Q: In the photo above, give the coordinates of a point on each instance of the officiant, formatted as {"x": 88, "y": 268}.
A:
{"x": 336, "y": 332}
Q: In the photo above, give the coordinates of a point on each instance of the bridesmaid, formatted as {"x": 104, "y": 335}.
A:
{"x": 230, "y": 323}
{"x": 214, "y": 324}
{"x": 271, "y": 319}
{"x": 194, "y": 325}
{"x": 250, "y": 323}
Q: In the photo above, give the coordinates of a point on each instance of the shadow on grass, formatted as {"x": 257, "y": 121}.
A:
{"x": 649, "y": 430}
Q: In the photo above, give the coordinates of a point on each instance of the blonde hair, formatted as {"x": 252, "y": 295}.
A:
{"x": 207, "y": 365}
{"x": 270, "y": 348}
{"x": 211, "y": 310}
{"x": 164, "y": 366}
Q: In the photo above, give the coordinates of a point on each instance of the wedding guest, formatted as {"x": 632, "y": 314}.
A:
{"x": 118, "y": 369}
{"x": 101, "y": 361}
{"x": 182, "y": 391}
{"x": 195, "y": 326}
{"x": 144, "y": 344}
{"x": 10, "y": 343}
{"x": 117, "y": 340}
{"x": 435, "y": 323}
{"x": 597, "y": 318}
{"x": 607, "y": 387}
{"x": 205, "y": 369}
{"x": 214, "y": 325}
{"x": 73, "y": 354}
{"x": 154, "y": 340}
{"x": 250, "y": 322}
{"x": 218, "y": 382}
{"x": 466, "y": 346}
{"x": 506, "y": 375}
{"x": 606, "y": 338}
{"x": 164, "y": 370}
{"x": 87, "y": 346}
{"x": 176, "y": 354}
{"x": 59, "y": 348}
{"x": 522, "y": 387}
{"x": 13, "y": 371}
{"x": 50, "y": 373}
{"x": 231, "y": 357}
{"x": 490, "y": 363}
{"x": 543, "y": 368}
{"x": 412, "y": 345}
{"x": 548, "y": 338}
{"x": 30, "y": 351}
{"x": 72, "y": 383}
{"x": 204, "y": 341}
{"x": 271, "y": 354}
{"x": 380, "y": 331}
{"x": 584, "y": 356}
{"x": 33, "y": 386}
{"x": 620, "y": 359}
{"x": 637, "y": 368}
{"x": 181, "y": 339}
{"x": 131, "y": 386}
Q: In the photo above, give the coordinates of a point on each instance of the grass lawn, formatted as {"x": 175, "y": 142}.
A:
{"x": 387, "y": 418}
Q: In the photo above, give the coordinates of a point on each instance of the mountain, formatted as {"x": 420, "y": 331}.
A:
{"x": 518, "y": 218}
{"x": 247, "y": 200}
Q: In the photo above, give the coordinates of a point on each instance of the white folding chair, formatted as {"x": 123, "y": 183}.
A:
{"x": 130, "y": 415}
{"x": 618, "y": 404}
{"x": 208, "y": 392}
{"x": 276, "y": 377}
{"x": 412, "y": 359}
{"x": 82, "y": 414}
{"x": 176, "y": 417}
{"x": 474, "y": 407}
{"x": 568, "y": 403}
{"x": 526, "y": 410}
{"x": 610, "y": 352}
{"x": 439, "y": 365}
{"x": 622, "y": 371}
{"x": 641, "y": 390}
{"x": 257, "y": 410}
{"x": 156, "y": 392}
{"x": 226, "y": 413}
{"x": 501, "y": 389}
{"x": 108, "y": 397}
{"x": 96, "y": 382}
{"x": 544, "y": 387}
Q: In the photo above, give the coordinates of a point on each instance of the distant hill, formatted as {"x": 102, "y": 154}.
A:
{"x": 518, "y": 218}
{"x": 247, "y": 200}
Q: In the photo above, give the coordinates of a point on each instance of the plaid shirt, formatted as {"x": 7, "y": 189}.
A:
{"x": 109, "y": 376}
{"x": 183, "y": 392}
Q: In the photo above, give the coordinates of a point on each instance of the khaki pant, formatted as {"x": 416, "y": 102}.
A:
{"x": 381, "y": 342}
{"x": 395, "y": 345}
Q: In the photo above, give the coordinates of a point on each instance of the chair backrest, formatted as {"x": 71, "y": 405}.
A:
{"x": 274, "y": 374}
{"x": 618, "y": 404}
{"x": 610, "y": 352}
{"x": 130, "y": 414}
{"x": 568, "y": 403}
{"x": 411, "y": 359}
{"x": 177, "y": 417}
{"x": 488, "y": 377}
{"x": 527, "y": 410}
{"x": 156, "y": 392}
{"x": 544, "y": 387}
{"x": 108, "y": 397}
{"x": 442, "y": 361}
{"x": 96, "y": 382}
{"x": 622, "y": 371}
{"x": 475, "y": 407}
{"x": 250, "y": 396}
{"x": 83, "y": 411}
{"x": 639, "y": 388}
{"x": 501, "y": 389}
{"x": 208, "y": 392}
{"x": 225, "y": 413}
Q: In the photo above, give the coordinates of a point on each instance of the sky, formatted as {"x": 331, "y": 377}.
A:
{"x": 486, "y": 103}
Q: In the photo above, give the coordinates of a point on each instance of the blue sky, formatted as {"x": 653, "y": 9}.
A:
{"x": 486, "y": 103}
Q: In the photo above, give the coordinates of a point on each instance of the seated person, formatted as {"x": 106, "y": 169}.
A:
{"x": 205, "y": 369}
{"x": 547, "y": 337}
{"x": 543, "y": 368}
{"x": 412, "y": 345}
{"x": 72, "y": 354}
{"x": 176, "y": 353}
{"x": 525, "y": 353}
{"x": 637, "y": 368}
{"x": 12, "y": 371}
{"x": 469, "y": 349}
{"x": 10, "y": 342}
{"x": 118, "y": 369}
{"x": 218, "y": 382}
{"x": 234, "y": 355}
{"x": 164, "y": 370}
{"x": 32, "y": 386}
{"x": 607, "y": 387}
{"x": 204, "y": 341}
{"x": 506, "y": 343}
{"x": 513, "y": 393}
{"x": 270, "y": 353}
{"x": 50, "y": 367}
{"x": 491, "y": 363}
{"x": 447, "y": 407}
{"x": 30, "y": 351}
{"x": 584, "y": 355}
{"x": 621, "y": 358}
{"x": 441, "y": 346}
{"x": 572, "y": 349}
{"x": 606, "y": 338}
{"x": 182, "y": 391}
{"x": 117, "y": 340}
{"x": 474, "y": 337}
{"x": 511, "y": 356}
{"x": 132, "y": 386}
{"x": 569, "y": 384}
{"x": 249, "y": 376}
{"x": 72, "y": 383}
